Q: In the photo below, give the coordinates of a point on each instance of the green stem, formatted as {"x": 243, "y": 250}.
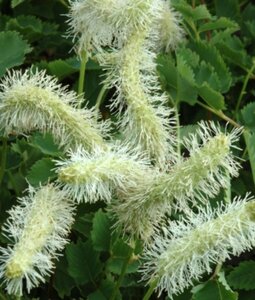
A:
{"x": 122, "y": 274}
{"x": 243, "y": 90}
{"x": 150, "y": 290}
{"x": 216, "y": 271}
{"x": 187, "y": 29}
{"x": 220, "y": 114}
{"x": 178, "y": 132}
{"x": 194, "y": 29}
{"x": 13, "y": 182}
{"x": 101, "y": 97}
{"x": 3, "y": 159}
{"x": 81, "y": 82}
{"x": 64, "y": 3}
{"x": 246, "y": 135}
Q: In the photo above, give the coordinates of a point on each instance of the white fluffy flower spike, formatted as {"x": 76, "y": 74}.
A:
{"x": 96, "y": 24}
{"x": 146, "y": 120}
{"x": 38, "y": 228}
{"x": 99, "y": 23}
{"x": 133, "y": 29}
{"x": 35, "y": 101}
{"x": 90, "y": 177}
{"x": 191, "y": 181}
{"x": 170, "y": 33}
{"x": 188, "y": 248}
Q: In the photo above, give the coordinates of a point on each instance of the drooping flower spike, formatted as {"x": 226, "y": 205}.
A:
{"x": 184, "y": 250}
{"x": 38, "y": 229}
{"x": 35, "y": 101}
{"x": 95, "y": 24}
{"x": 190, "y": 182}
{"x": 168, "y": 32}
{"x": 132, "y": 29}
{"x": 145, "y": 120}
{"x": 97, "y": 176}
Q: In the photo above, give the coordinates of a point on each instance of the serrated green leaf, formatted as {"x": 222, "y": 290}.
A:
{"x": 186, "y": 90}
{"x": 167, "y": 69}
{"x": 15, "y": 3}
{"x": 178, "y": 80}
{"x": 248, "y": 12}
{"x": 243, "y": 276}
{"x": 250, "y": 25}
{"x": 189, "y": 56}
{"x": 104, "y": 291}
{"x": 206, "y": 74}
{"x": 250, "y": 142}
{"x": 45, "y": 143}
{"x": 83, "y": 262}
{"x": 61, "y": 68}
{"x": 185, "y": 131}
{"x": 62, "y": 281}
{"x": 210, "y": 55}
{"x": 92, "y": 65}
{"x": 199, "y": 76}
{"x": 227, "y": 8}
{"x": 29, "y": 26}
{"x": 12, "y": 50}
{"x": 189, "y": 13}
{"x": 214, "y": 290}
{"x": 41, "y": 172}
{"x": 248, "y": 115}
{"x": 119, "y": 255}
{"x": 201, "y": 12}
{"x": 211, "y": 97}
{"x": 220, "y": 23}
{"x": 101, "y": 231}
{"x": 232, "y": 48}
{"x": 43, "y": 9}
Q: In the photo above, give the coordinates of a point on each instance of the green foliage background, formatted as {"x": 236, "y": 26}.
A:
{"x": 211, "y": 76}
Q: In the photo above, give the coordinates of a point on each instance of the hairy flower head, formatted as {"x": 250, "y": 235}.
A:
{"x": 191, "y": 180}
{"x": 187, "y": 248}
{"x": 144, "y": 118}
{"x": 38, "y": 228}
{"x": 97, "y": 23}
{"x": 93, "y": 176}
{"x": 35, "y": 101}
{"x": 170, "y": 33}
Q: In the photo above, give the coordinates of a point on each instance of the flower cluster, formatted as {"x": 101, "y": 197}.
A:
{"x": 35, "y": 101}
{"x": 38, "y": 229}
{"x": 189, "y": 247}
{"x": 90, "y": 177}
{"x": 142, "y": 178}
{"x": 191, "y": 180}
{"x": 133, "y": 29}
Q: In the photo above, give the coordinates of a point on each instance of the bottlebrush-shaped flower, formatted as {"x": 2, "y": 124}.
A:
{"x": 98, "y": 23}
{"x": 38, "y": 226}
{"x": 36, "y": 102}
{"x": 132, "y": 28}
{"x": 90, "y": 177}
{"x": 146, "y": 121}
{"x": 170, "y": 33}
{"x": 186, "y": 249}
{"x": 191, "y": 180}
